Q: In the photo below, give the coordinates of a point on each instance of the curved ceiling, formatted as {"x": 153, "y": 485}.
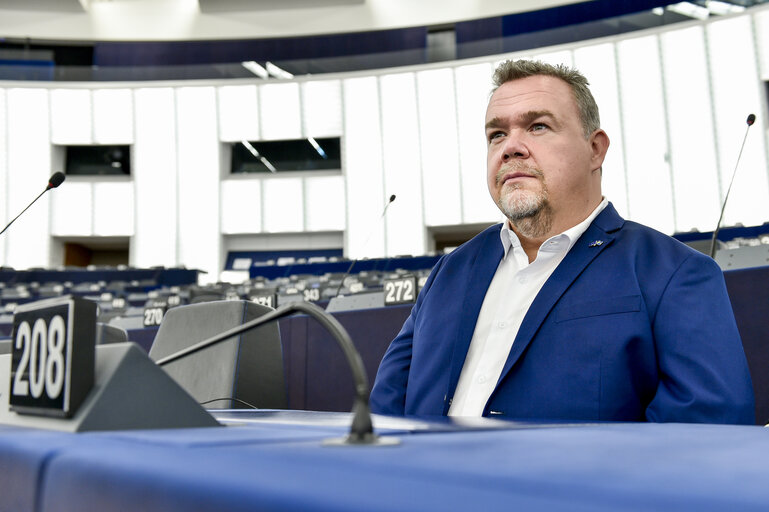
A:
{"x": 167, "y": 20}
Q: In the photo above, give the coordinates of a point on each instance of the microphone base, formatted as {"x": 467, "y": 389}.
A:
{"x": 368, "y": 439}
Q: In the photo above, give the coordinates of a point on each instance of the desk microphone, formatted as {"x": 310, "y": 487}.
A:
{"x": 56, "y": 179}
{"x": 751, "y": 119}
{"x": 365, "y": 243}
{"x": 361, "y": 430}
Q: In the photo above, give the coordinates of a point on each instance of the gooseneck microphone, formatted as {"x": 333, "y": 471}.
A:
{"x": 361, "y": 430}
{"x": 55, "y": 180}
{"x": 365, "y": 243}
{"x": 750, "y": 120}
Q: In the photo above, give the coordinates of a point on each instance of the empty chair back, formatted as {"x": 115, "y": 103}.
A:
{"x": 246, "y": 367}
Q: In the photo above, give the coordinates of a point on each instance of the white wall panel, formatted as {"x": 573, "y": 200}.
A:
{"x": 113, "y": 208}
{"x": 4, "y": 191}
{"x": 113, "y": 116}
{"x": 404, "y": 224}
{"x": 473, "y": 89}
{"x": 324, "y": 203}
{"x": 241, "y": 206}
{"x": 557, "y": 57}
{"x": 645, "y": 134}
{"x": 761, "y": 23}
{"x": 690, "y": 121}
{"x": 597, "y": 63}
{"x": 155, "y": 180}
{"x": 363, "y": 169}
{"x": 280, "y": 111}
{"x": 735, "y": 95}
{"x": 72, "y": 209}
{"x": 71, "y": 118}
{"x": 238, "y": 113}
{"x": 29, "y": 167}
{"x": 198, "y": 181}
{"x": 322, "y": 108}
{"x": 283, "y": 205}
{"x": 437, "y": 108}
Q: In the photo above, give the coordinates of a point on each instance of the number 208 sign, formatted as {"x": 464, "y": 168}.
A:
{"x": 52, "y": 364}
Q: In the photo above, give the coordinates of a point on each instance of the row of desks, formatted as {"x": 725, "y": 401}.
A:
{"x": 317, "y": 377}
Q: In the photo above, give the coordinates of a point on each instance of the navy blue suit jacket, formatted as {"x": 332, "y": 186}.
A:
{"x": 631, "y": 326}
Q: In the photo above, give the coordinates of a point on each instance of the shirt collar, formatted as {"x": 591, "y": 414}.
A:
{"x": 510, "y": 239}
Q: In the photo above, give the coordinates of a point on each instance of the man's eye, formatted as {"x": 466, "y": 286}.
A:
{"x": 495, "y": 135}
{"x": 538, "y": 127}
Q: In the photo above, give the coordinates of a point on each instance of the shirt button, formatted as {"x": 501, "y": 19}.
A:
{"x": 482, "y": 379}
{"x": 522, "y": 279}
{"x": 502, "y": 325}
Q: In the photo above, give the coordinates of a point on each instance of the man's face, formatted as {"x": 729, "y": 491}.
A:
{"x": 539, "y": 161}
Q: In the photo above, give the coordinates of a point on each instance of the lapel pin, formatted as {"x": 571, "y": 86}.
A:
{"x": 596, "y": 243}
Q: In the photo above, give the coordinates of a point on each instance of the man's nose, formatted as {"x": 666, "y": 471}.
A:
{"x": 514, "y": 149}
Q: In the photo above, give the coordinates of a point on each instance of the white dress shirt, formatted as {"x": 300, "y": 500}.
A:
{"x": 512, "y": 290}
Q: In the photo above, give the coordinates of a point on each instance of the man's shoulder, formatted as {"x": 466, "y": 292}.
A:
{"x": 656, "y": 244}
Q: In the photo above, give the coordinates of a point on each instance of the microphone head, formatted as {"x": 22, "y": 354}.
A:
{"x": 56, "y": 180}
{"x": 751, "y": 119}
{"x": 392, "y": 198}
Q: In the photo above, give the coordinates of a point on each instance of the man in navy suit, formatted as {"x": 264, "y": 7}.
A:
{"x": 565, "y": 311}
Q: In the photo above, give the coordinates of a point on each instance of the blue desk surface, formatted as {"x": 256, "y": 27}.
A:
{"x": 276, "y": 463}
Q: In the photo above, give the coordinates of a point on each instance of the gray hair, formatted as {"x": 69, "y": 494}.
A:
{"x": 511, "y": 70}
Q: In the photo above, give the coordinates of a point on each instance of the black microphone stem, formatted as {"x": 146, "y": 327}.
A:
{"x": 24, "y": 210}
{"x": 54, "y": 181}
{"x": 362, "y": 430}
{"x": 750, "y": 121}
{"x": 365, "y": 243}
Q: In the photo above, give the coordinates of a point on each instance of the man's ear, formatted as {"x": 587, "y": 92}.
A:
{"x": 599, "y": 144}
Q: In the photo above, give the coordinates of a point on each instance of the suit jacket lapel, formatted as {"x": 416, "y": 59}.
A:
{"x": 481, "y": 272}
{"x": 592, "y": 242}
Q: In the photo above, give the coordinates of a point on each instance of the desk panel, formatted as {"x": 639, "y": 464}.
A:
{"x": 587, "y": 467}
{"x": 23, "y": 455}
{"x": 749, "y": 294}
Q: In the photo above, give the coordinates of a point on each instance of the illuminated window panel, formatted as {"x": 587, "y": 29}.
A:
{"x": 29, "y": 167}
{"x": 363, "y": 169}
{"x": 736, "y": 93}
{"x": 596, "y": 62}
{"x": 473, "y": 88}
{"x": 155, "y": 168}
{"x": 280, "y": 112}
{"x": 241, "y": 206}
{"x": 559, "y": 57}
{"x": 440, "y": 148}
{"x": 3, "y": 169}
{"x": 97, "y": 160}
{"x": 324, "y": 203}
{"x": 650, "y": 195}
{"x": 322, "y": 108}
{"x": 761, "y": 21}
{"x": 403, "y": 174}
{"x": 71, "y": 116}
{"x": 113, "y": 208}
{"x": 283, "y": 201}
{"x": 238, "y": 113}
{"x": 113, "y": 114}
{"x": 72, "y": 209}
{"x": 321, "y": 154}
{"x": 198, "y": 178}
{"x": 690, "y": 121}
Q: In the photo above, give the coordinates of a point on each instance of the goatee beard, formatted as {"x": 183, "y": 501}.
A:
{"x": 530, "y": 214}
{"x": 536, "y": 225}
